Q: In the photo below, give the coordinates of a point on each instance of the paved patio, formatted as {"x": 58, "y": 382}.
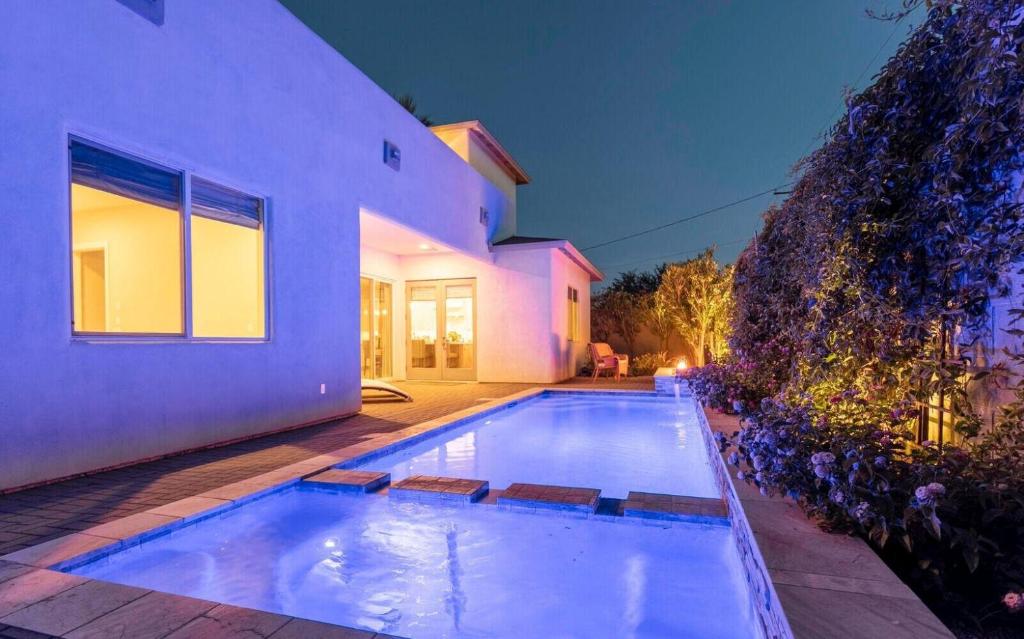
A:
{"x": 35, "y": 515}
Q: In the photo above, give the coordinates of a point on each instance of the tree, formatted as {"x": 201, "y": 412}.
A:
{"x": 697, "y": 293}
{"x": 618, "y": 312}
{"x": 409, "y": 104}
{"x": 637, "y": 282}
{"x": 658, "y": 317}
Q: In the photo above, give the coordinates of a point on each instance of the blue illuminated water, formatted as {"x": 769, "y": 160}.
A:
{"x": 616, "y": 443}
{"x": 432, "y": 571}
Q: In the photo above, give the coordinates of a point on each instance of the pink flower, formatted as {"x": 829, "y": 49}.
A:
{"x": 1014, "y": 601}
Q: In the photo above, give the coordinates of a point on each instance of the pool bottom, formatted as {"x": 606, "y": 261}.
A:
{"x": 423, "y": 570}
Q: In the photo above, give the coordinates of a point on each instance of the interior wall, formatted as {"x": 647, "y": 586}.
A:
{"x": 142, "y": 243}
{"x": 227, "y": 279}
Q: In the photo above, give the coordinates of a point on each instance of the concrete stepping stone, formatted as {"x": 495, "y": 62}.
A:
{"x": 551, "y": 497}
{"x": 675, "y": 507}
{"x": 363, "y": 481}
{"x": 430, "y": 488}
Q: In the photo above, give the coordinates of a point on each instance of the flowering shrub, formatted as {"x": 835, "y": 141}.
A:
{"x": 953, "y": 520}
{"x": 857, "y": 301}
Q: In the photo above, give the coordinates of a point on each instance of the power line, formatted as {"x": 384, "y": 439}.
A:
{"x": 689, "y": 218}
{"x": 668, "y": 255}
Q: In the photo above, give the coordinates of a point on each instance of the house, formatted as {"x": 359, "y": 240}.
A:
{"x": 214, "y": 225}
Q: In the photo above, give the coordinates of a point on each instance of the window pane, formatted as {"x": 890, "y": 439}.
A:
{"x": 423, "y": 326}
{"x": 227, "y": 279}
{"x": 382, "y": 329}
{"x": 126, "y": 260}
{"x": 365, "y": 326}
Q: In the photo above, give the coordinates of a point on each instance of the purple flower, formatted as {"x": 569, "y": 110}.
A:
{"x": 823, "y": 458}
{"x": 821, "y": 472}
{"x": 758, "y": 462}
{"x": 862, "y": 512}
{"x": 759, "y": 477}
{"x": 881, "y": 461}
{"x": 928, "y": 495}
{"x": 740, "y": 475}
{"x": 839, "y": 497}
{"x": 734, "y": 458}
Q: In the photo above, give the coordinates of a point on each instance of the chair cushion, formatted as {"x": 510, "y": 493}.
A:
{"x": 603, "y": 350}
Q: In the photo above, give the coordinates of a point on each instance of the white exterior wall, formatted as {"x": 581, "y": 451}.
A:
{"x": 240, "y": 92}
{"x": 521, "y": 308}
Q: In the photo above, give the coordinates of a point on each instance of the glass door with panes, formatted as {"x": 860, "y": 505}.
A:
{"x": 441, "y": 320}
{"x": 374, "y": 328}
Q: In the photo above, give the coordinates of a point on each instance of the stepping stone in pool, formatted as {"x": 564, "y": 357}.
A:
{"x": 551, "y": 497}
{"x": 675, "y": 507}
{"x": 430, "y": 488}
{"x": 360, "y": 481}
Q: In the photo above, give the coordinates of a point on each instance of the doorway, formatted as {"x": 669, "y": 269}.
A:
{"x": 441, "y": 334}
{"x": 90, "y": 286}
{"x": 375, "y": 324}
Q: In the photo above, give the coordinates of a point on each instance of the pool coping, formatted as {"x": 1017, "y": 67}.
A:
{"x": 47, "y": 562}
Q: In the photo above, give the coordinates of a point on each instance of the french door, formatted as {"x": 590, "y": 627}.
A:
{"x": 441, "y": 329}
{"x": 375, "y": 328}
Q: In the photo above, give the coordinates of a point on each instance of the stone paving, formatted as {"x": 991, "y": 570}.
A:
{"x": 363, "y": 481}
{"x": 555, "y": 497}
{"x": 658, "y": 506}
{"x": 429, "y": 488}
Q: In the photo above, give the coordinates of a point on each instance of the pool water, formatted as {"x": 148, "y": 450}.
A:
{"x": 434, "y": 571}
{"x": 616, "y": 443}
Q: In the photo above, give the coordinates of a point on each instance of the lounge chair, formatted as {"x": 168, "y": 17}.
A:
{"x": 384, "y": 387}
{"x": 605, "y": 359}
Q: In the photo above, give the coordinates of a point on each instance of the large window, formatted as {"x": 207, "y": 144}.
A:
{"x": 573, "y": 315}
{"x": 127, "y": 251}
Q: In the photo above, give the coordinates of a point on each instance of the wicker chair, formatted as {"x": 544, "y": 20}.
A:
{"x": 605, "y": 359}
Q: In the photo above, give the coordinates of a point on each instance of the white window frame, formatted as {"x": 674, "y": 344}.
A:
{"x": 185, "y": 213}
{"x": 573, "y": 299}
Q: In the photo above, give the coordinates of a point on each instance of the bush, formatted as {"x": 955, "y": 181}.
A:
{"x": 648, "y": 363}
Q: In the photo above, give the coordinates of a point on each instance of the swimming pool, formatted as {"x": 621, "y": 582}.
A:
{"x": 429, "y": 570}
{"x": 613, "y": 442}
{"x": 433, "y": 569}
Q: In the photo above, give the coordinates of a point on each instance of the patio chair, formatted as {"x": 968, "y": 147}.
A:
{"x": 605, "y": 359}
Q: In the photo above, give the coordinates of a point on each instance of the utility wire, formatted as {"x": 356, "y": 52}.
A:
{"x": 772, "y": 190}
{"x": 689, "y": 218}
{"x": 668, "y": 255}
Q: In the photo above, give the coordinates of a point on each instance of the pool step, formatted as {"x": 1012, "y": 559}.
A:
{"x": 430, "y": 488}
{"x": 552, "y": 497}
{"x": 675, "y": 507}
{"x": 360, "y": 481}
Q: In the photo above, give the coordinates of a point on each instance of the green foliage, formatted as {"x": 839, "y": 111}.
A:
{"x": 647, "y": 363}
{"x": 696, "y": 294}
{"x": 868, "y": 294}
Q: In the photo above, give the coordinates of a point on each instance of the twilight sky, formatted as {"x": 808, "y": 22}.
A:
{"x": 626, "y": 115}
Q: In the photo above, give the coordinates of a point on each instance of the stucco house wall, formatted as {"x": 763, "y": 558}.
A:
{"x": 240, "y": 92}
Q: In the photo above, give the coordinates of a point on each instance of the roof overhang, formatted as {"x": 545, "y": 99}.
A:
{"x": 563, "y": 246}
{"x": 489, "y": 143}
